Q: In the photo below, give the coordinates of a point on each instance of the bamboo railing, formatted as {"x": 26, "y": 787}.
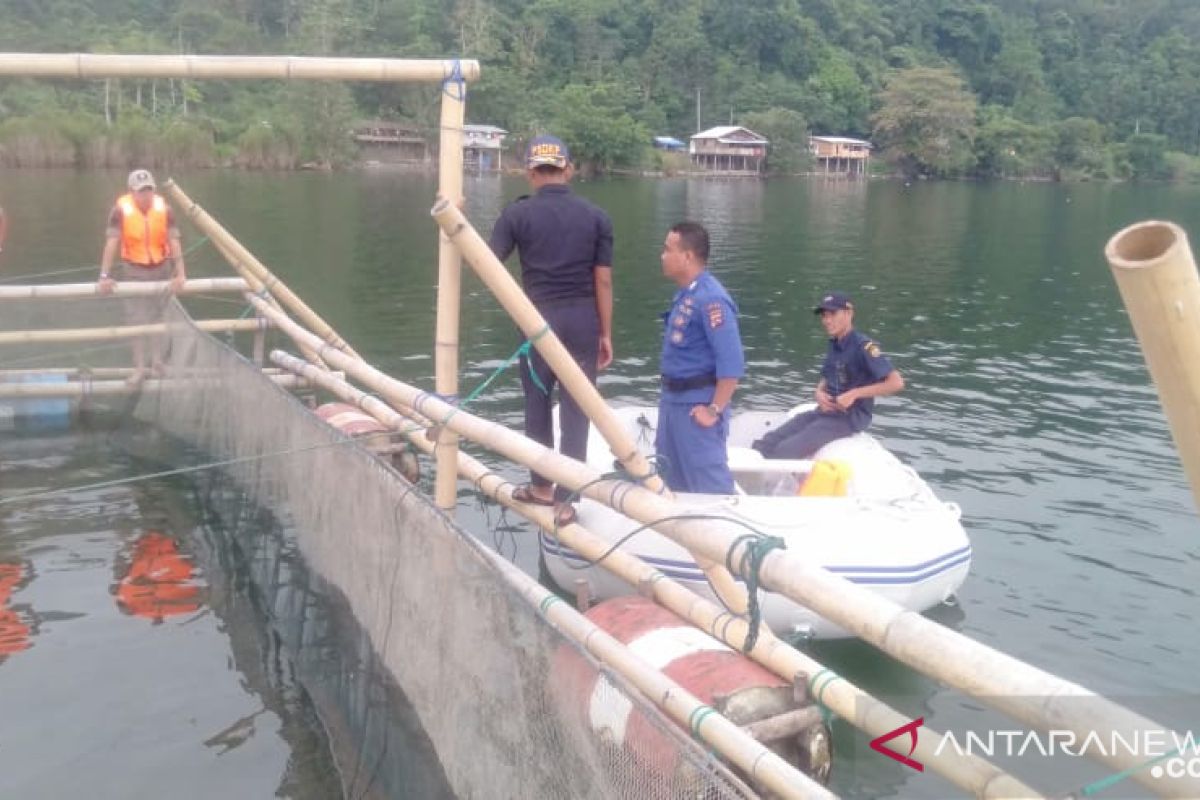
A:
{"x": 62, "y": 291}
{"x": 84, "y": 66}
{"x": 116, "y": 332}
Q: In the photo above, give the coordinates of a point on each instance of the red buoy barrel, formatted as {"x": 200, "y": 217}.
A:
{"x": 735, "y": 686}
{"x": 375, "y": 436}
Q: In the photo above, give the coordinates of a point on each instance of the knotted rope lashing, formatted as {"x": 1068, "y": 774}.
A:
{"x": 755, "y": 551}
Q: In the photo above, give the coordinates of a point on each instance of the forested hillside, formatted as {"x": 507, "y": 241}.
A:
{"x": 1052, "y": 88}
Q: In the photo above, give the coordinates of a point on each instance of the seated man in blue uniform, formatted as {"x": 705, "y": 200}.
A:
{"x": 855, "y": 372}
{"x": 702, "y": 361}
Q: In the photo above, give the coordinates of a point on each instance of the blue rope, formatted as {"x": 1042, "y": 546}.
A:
{"x": 455, "y": 78}
{"x": 523, "y": 350}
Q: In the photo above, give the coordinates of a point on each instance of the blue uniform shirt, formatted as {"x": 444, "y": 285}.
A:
{"x": 701, "y": 338}
{"x": 561, "y": 239}
{"x": 853, "y": 361}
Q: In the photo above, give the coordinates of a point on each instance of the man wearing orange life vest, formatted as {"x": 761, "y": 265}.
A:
{"x": 142, "y": 227}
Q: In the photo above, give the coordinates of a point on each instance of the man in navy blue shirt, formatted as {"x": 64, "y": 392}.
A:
{"x": 565, "y": 245}
{"x": 702, "y": 361}
{"x": 855, "y": 372}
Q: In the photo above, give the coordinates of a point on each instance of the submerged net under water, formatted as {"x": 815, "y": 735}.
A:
{"x": 505, "y": 703}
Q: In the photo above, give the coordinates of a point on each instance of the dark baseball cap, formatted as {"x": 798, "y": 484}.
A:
{"x": 834, "y": 301}
{"x": 547, "y": 151}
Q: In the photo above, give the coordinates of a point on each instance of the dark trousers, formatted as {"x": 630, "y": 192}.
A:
{"x": 804, "y": 434}
{"x": 577, "y": 324}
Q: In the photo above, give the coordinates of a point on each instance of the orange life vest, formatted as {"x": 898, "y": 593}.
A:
{"x": 144, "y": 235}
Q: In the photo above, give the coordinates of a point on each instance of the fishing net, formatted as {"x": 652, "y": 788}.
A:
{"x": 508, "y": 706}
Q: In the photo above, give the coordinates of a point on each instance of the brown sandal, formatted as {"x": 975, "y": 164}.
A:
{"x": 524, "y": 494}
{"x": 565, "y": 515}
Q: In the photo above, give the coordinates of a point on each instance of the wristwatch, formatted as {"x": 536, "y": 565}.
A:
{"x": 715, "y": 409}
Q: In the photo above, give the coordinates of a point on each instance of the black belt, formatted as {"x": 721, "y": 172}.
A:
{"x": 683, "y": 384}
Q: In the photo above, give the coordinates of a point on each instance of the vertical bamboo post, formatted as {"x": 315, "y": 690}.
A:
{"x": 1156, "y": 275}
{"x": 450, "y": 168}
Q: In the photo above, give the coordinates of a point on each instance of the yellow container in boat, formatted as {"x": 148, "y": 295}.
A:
{"x": 827, "y": 479}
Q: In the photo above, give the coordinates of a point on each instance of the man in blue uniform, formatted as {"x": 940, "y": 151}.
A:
{"x": 565, "y": 245}
{"x": 702, "y": 361}
{"x": 855, "y": 372}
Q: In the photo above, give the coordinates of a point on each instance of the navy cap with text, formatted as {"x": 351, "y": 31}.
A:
{"x": 547, "y": 151}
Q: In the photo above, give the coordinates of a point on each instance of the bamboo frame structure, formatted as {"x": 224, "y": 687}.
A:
{"x": 85, "y": 66}
{"x": 728, "y": 739}
{"x": 1020, "y": 690}
{"x": 61, "y": 291}
{"x": 1155, "y": 272}
{"x": 875, "y": 718}
{"x": 124, "y": 331}
{"x": 445, "y": 340}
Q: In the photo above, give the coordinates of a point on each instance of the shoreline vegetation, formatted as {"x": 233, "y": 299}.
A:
{"x": 1051, "y": 90}
{"x": 64, "y": 142}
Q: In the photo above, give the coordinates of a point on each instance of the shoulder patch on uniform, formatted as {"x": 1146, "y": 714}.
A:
{"x": 872, "y": 349}
{"x": 716, "y": 315}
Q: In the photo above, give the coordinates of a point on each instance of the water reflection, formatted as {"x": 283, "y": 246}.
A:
{"x": 158, "y": 581}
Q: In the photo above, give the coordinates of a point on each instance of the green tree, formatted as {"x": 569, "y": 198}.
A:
{"x": 1080, "y": 145}
{"x": 1007, "y": 147}
{"x": 597, "y": 128}
{"x": 788, "y": 134}
{"x": 926, "y": 122}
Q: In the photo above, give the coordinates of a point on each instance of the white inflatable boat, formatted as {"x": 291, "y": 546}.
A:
{"x": 888, "y": 532}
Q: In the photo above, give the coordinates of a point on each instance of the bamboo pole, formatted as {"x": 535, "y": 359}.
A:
{"x": 95, "y": 373}
{"x": 875, "y": 718}
{"x": 253, "y": 270}
{"x": 90, "y": 66}
{"x": 1156, "y": 275}
{"x": 533, "y": 324}
{"x": 90, "y": 388}
{"x": 445, "y": 342}
{"x": 124, "y": 331}
{"x": 61, "y": 291}
{"x": 1027, "y": 693}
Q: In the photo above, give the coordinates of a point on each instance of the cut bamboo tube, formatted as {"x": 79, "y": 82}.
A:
{"x": 124, "y": 331}
{"x": 445, "y": 341}
{"x": 1156, "y": 275}
{"x": 90, "y": 388}
{"x": 85, "y": 66}
{"x": 121, "y": 289}
{"x": 875, "y": 718}
{"x": 253, "y": 270}
{"x": 533, "y": 324}
{"x": 1027, "y": 693}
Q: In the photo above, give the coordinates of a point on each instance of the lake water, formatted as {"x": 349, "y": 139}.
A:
{"x": 1028, "y": 403}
